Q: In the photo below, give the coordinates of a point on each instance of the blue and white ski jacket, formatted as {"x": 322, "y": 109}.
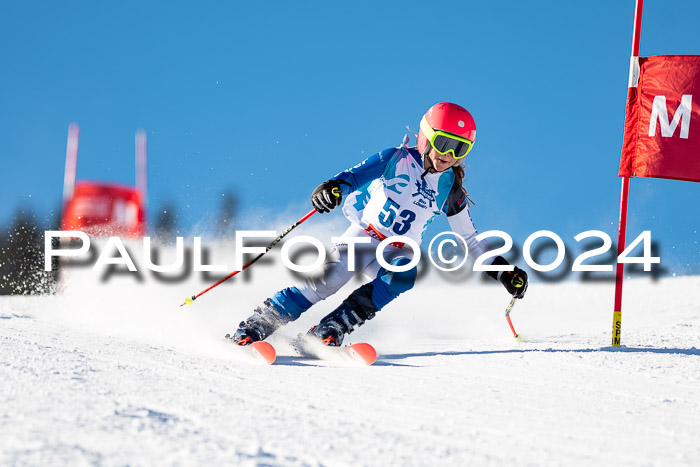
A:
{"x": 389, "y": 192}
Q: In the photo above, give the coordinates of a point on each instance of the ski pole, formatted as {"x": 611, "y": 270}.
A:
{"x": 510, "y": 323}
{"x": 189, "y": 300}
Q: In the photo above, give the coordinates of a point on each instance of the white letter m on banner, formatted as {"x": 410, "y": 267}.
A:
{"x": 660, "y": 113}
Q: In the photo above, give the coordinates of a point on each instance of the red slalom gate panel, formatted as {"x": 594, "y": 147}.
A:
{"x": 104, "y": 209}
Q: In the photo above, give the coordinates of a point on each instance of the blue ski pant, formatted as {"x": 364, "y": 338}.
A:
{"x": 337, "y": 271}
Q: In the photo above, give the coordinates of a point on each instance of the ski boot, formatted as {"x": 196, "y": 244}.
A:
{"x": 330, "y": 333}
{"x": 264, "y": 321}
{"x": 353, "y": 312}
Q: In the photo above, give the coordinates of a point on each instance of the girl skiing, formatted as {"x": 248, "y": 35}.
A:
{"x": 398, "y": 191}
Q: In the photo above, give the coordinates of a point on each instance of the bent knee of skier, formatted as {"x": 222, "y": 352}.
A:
{"x": 333, "y": 276}
{"x": 390, "y": 284}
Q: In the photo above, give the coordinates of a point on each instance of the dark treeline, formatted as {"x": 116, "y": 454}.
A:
{"x": 22, "y": 245}
{"x": 22, "y": 256}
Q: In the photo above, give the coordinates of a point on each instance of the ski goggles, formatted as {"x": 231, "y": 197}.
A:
{"x": 444, "y": 142}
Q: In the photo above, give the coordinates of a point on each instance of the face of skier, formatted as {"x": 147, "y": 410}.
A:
{"x": 441, "y": 162}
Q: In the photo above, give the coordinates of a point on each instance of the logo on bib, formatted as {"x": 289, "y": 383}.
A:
{"x": 400, "y": 181}
{"x": 427, "y": 194}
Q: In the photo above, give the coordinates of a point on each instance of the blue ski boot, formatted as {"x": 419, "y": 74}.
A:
{"x": 264, "y": 321}
{"x": 329, "y": 333}
{"x": 353, "y": 312}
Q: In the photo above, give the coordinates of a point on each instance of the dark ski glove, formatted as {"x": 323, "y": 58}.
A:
{"x": 514, "y": 281}
{"x": 327, "y": 196}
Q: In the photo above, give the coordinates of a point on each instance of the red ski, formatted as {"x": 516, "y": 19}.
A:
{"x": 361, "y": 352}
{"x": 261, "y": 352}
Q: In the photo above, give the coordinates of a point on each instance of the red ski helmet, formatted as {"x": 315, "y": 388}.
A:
{"x": 449, "y": 118}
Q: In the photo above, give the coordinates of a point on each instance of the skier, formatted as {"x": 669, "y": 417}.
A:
{"x": 398, "y": 191}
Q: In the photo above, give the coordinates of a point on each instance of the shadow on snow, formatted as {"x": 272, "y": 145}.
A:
{"x": 286, "y": 360}
{"x": 387, "y": 359}
{"x": 623, "y": 349}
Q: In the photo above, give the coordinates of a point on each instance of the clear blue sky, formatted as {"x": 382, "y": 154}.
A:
{"x": 268, "y": 99}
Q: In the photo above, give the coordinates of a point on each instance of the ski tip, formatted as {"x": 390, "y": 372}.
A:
{"x": 363, "y": 352}
{"x": 264, "y": 352}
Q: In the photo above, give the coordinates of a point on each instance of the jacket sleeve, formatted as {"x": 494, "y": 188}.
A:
{"x": 365, "y": 172}
{"x": 460, "y": 220}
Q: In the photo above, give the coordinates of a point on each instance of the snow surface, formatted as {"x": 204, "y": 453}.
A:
{"x": 116, "y": 373}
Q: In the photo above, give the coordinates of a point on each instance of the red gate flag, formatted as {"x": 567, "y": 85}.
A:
{"x": 662, "y": 121}
{"x": 105, "y": 209}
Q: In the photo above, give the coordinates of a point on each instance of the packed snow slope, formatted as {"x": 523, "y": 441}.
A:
{"x": 114, "y": 372}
